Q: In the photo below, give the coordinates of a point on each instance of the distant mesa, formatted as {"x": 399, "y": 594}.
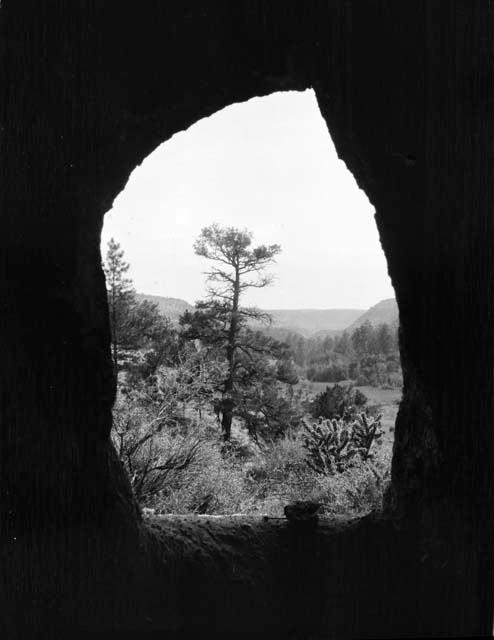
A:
{"x": 307, "y": 322}
{"x": 385, "y": 311}
{"x": 172, "y": 308}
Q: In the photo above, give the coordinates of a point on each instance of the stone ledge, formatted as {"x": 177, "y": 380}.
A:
{"x": 268, "y": 578}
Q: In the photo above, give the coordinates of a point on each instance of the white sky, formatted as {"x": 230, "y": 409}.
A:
{"x": 268, "y": 165}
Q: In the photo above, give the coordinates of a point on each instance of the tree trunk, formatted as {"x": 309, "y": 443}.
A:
{"x": 226, "y": 419}
{"x": 114, "y": 333}
{"x": 115, "y": 356}
{"x": 228, "y": 401}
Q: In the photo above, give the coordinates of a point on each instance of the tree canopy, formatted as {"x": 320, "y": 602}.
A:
{"x": 220, "y": 321}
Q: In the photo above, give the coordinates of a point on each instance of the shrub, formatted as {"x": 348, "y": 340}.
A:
{"x": 269, "y": 411}
{"x": 240, "y": 446}
{"x": 281, "y": 475}
{"x": 338, "y": 401}
{"x": 332, "y": 373}
{"x": 152, "y": 457}
{"x": 356, "y": 491}
{"x": 395, "y": 380}
{"x": 283, "y": 457}
{"x": 278, "y": 475}
{"x": 215, "y": 485}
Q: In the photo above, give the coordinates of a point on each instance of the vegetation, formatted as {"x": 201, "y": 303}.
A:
{"x": 212, "y": 416}
{"x": 120, "y": 294}
{"x": 367, "y": 356}
{"x": 337, "y": 443}
{"x": 133, "y": 324}
{"x": 338, "y": 401}
{"x": 249, "y": 389}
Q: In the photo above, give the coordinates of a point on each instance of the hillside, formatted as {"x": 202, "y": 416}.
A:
{"x": 172, "y": 308}
{"x": 304, "y": 321}
{"x": 307, "y": 322}
{"x": 310, "y": 321}
{"x": 384, "y": 311}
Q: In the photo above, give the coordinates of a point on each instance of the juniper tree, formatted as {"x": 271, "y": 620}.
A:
{"x": 220, "y": 320}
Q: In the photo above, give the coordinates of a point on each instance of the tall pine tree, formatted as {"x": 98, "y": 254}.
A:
{"x": 121, "y": 295}
{"x": 220, "y": 320}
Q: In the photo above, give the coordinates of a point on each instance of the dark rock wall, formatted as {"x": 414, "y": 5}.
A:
{"x": 89, "y": 89}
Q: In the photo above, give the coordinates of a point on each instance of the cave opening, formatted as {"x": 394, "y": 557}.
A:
{"x": 324, "y": 367}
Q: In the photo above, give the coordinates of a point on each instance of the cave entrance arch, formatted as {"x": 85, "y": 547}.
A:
{"x": 412, "y": 122}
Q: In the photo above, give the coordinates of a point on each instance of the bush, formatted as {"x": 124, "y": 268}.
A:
{"x": 339, "y": 401}
{"x": 278, "y": 476}
{"x": 281, "y": 475}
{"x": 269, "y": 411}
{"x": 332, "y": 373}
{"x": 152, "y": 456}
{"x": 356, "y": 491}
{"x": 282, "y": 458}
{"x": 394, "y": 381}
{"x": 216, "y": 486}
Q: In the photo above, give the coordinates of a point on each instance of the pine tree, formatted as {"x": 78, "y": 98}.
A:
{"x": 121, "y": 295}
{"x": 362, "y": 339}
{"x": 342, "y": 344}
{"x": 220, "y": 320}
{"x": 384, "y": 339}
